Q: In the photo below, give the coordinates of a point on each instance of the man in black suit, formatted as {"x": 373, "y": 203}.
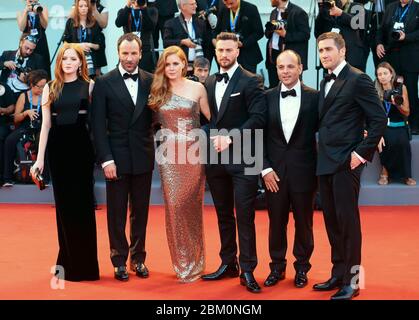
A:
{"x": 289, "y": 166}
{"x": 7, "y": 108}
{"x": 401, "y": 49}
{"x": 238, "y": 106}
{"x": 123, "y": 138}
{"x": 348, "y": 101}
{"x": 167, "y": 10}
{"x": 186, "y": 31}
{"x": 243, "y": 19}
{"x": 293, "y": 36}
{"x": 14, "y": 61}
{"x": 339, "y": 19}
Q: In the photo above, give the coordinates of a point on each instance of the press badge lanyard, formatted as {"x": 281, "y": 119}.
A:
{"x": 388, "y": 106}
{"x": 82, "y": 34}
{"x": 137, "y": 22}
{"x": 39, "y": 102}
{"x": 233, "y": 20}
{"x": 402, "y": 15}
{"x": 32, "y": 20}
{"x": 212, "y": 3}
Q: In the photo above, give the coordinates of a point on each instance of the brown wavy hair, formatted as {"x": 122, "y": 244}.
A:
{"x": 160, "y": 88}
{"x": 90, "y": 20}
{"x": 56, "y": 85}
{"x": 378, "y": 85}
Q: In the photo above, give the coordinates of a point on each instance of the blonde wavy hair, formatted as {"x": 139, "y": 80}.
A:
{"x": 378, "y": 85}
{"x": 160, "y": 91}
{"x": 90, "y": 18}
{"x": 56, "y": 85}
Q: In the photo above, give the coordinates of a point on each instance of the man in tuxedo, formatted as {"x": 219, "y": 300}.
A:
{"x": 339, "y": 19}
{"x": 186, "y": 31}
{"x": 121, "y": 124}
{"x": 13, "y": 62}
{"x": 238, "y": 105}
{"x": 398, "y": 44}
{"x": 348, "y": 101}
{"x": 290, "y": 167}
{"x": 293, "y": 36}
{"x": 243, "y": 19}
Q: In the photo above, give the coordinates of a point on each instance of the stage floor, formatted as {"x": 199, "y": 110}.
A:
{"x": 28, "y": 249}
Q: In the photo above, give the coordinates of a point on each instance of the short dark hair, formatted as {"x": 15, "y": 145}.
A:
{"x": 201, "y": 62}
{"x": 37, "y": 75}
{"x": 289, "y": 51}
{"x": 129, "y": 37}
{"x": 336, "y": 37}
{"x": 227, "y": 36}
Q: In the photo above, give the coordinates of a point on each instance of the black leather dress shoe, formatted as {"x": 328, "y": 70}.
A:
{"x": 140, "y": 270}
{"x": 121, "y": 273}
{"x": 331, "y": 284}
{"x": 274, "y": 277}
{"x": 300, "y": 280}
{"x": 345, "y": 293}
{"x": 248, "y": 280}
{"x": 224, "y": 271}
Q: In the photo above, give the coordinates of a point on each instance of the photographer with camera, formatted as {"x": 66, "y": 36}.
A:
{"x": 394, "y": 147}
{"x": 27, "y": 118}
{"x": 243, "y": 19}
{"x": 336, "y": 16}
{"x": 287, "y": 29}
{"x": 138, "y": 18}
{"x": 7, "y": 107}
{"x": 33, "y": 19}
{"x": 398, "y": 44}
{"x": 84, "y": 29}
{"x": 15, "y": 64}
{"x": 186, "y": 31}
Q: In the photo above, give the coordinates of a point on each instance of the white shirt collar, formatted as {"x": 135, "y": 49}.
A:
{"x": 339, "y": 68}
{"x": 230, "y": 71}
{"x": 297, "y": 88}
{"x": 122, "y": 70}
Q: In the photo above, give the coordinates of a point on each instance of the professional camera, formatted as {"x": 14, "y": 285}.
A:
{"x": 203, "y": 14}
{"x": 139, "y": 3}
{"x": 36, "y": 6}
{"x": 396, "y": 93}
{"x": 20, "y": 69}
{"x": 199, "y": 51}
{"x": 395, "y": 33}
{"x": 326, "y": 4}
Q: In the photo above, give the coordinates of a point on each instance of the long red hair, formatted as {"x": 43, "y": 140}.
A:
{"x": 160, "y": 88}
{"x": 56, "y": 85}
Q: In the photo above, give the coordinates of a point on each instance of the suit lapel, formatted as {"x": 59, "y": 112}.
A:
{"x": 276, "y": 105}
{"x": 334, "y": 90}
{"x": 231, "y": 85}
{"x": 141, "y": 97}
{"x": 121, "y": 90}
{"x": 303, "y": 104}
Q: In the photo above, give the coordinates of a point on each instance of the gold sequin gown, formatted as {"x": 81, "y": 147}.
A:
{"x": 183, "y": 187}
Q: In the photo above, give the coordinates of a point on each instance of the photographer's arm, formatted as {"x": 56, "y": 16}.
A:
{"x": 43, "y": 18}
{"x": 20, "y": 115}
{"x": 101, "y": 18}
{"x": 22, "y": 19}
{"x": 404, "y": 108}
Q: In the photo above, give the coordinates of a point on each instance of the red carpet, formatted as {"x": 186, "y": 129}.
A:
{"x": 29, "y": 249}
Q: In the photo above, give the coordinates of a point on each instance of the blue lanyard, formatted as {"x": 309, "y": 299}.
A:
{"x": 233, "y": 22}
{"x": 82, "y": 34}
{"x": 402, "y": 15}
{"x": 32, "y": 20}
{"x": 388, "y": 107}
{"x": 212, "y": 3}
{"x": 39, "y": 102}
{"x": 137, "y": 22}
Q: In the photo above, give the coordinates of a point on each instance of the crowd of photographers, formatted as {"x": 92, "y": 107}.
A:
{"x": 387, "y": 29}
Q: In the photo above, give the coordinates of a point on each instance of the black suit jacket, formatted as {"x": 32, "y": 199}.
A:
{"x": 357, "y": 48}
{"x": 243, "y": 105}
{"x": 34, "y": 62}
{"x": 297, "y": 158}
{"x": 250, "y": 28}
{"x": 351, "y": 103}
{"x": 174, "y": 32}
{"x": 298, "y": 32}
{"x": 409, "y": 48}
{"x": 166, "y": 7}
{"x": 121, "y": 130}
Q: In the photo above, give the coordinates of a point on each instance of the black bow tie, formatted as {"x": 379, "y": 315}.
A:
{"x": 221, "y": 76}
{"x": 329, "y": 77}
{"x": 291, "y": 93}
{"x": 132, "y": 76}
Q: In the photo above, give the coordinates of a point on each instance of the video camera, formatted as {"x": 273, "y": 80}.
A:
{"x": 36, "y": 6}
{"x": 396, "y": 93}
{"x": 326, "y": 4}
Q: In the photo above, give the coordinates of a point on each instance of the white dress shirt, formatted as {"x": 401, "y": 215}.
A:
{"x": 221, "y": 86}
{"x": 289, "y": 109}
{"x": 132, "y": 87}
{"x": 275, "y": 36}
{"x": 191, "y": 32}
{"x": 329, "y": 85}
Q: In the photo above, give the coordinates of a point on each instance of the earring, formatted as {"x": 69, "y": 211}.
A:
{"x": 79, "y": 70}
